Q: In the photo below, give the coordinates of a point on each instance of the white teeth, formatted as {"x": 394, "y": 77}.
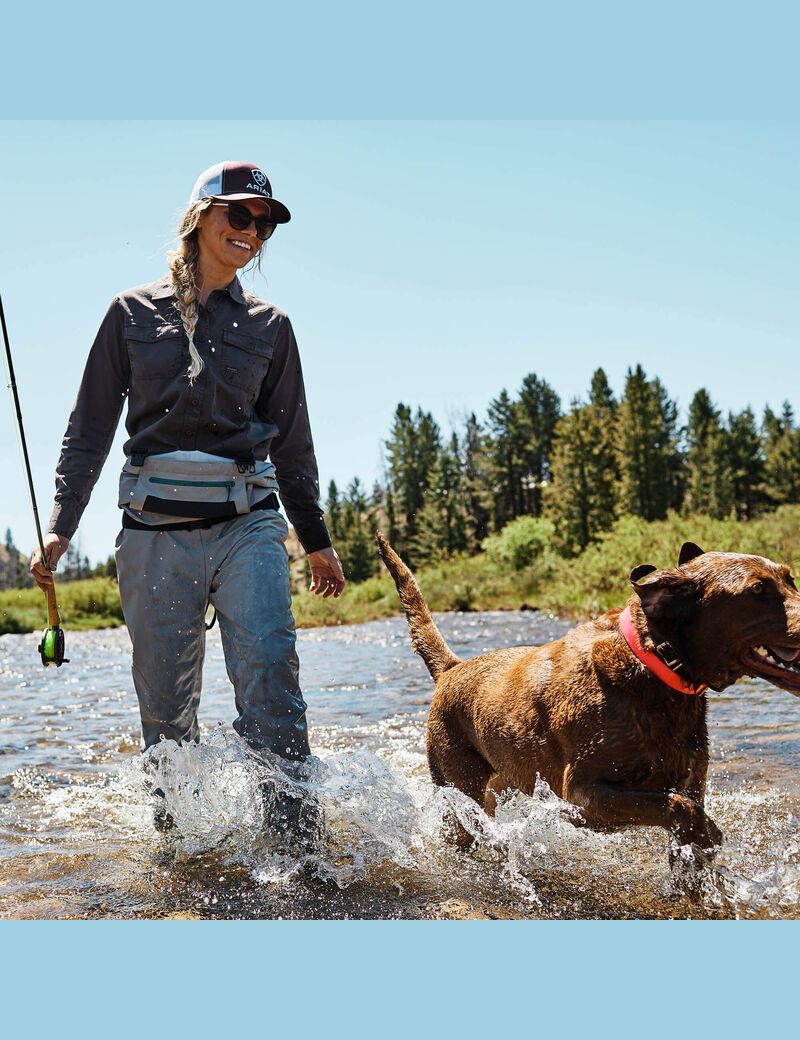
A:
{"x": 242, "y": 245}
{"x": 786, "y": 666}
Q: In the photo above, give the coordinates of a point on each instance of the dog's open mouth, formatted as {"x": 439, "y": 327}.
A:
{"x": 779, "y": 665}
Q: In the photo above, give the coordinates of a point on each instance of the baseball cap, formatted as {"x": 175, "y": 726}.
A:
{"x": 239, "y": 180}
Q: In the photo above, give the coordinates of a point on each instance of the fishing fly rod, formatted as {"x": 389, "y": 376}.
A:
{"x": 51, "y": 647}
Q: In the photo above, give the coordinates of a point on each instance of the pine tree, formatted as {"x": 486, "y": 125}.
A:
{"x": 709, "y": 474}
{"x": 355, "y": 546}
{"x": 783, "y": 464}
{"x": 772, "y": 428}
{"x": 391, "y": 519}
{"x": 333, "y": 511}
{"x": 581, "y": 496}
{"x": 476, "y": 484}
{"x": 377, "y": 495}
{"x": 411, "y": 452}
{"x": 646, "y": 448}
{"x": 504, "y": 463}
{"x": 442, "y": 527}
{"x": 673, "y": 459}
{"x": 601, "y": 396}
{"x": 402, "y": 475}
{"x": 748, "y": 472}
{"x": 603, "y": 466}
{"x": 568, "y": 496}
{"x": 537, "y": 412}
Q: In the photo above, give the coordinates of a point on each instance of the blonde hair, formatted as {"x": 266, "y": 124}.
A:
{"x": 183, "y": 272}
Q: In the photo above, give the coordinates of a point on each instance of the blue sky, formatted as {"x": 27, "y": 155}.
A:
{"x": 429, "y": 262}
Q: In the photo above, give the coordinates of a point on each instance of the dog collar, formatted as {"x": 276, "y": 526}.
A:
{"x": 652, "y": 661}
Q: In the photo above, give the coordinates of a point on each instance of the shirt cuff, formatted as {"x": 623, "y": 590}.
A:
{"x": 312, "y": 534}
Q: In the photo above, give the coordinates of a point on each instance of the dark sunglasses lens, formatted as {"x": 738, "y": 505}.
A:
{"x": 238, "y": 216}
{"x": 264, "y": 228}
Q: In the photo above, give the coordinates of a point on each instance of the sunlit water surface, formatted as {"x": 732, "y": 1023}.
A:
{"x": 77, "y": 837}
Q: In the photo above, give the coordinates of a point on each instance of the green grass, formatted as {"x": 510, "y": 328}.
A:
{"x": 93, "y": 603}
{"x": 577, "y": 588}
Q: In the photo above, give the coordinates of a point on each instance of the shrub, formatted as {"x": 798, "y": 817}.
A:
{"x": 520, "y": 543}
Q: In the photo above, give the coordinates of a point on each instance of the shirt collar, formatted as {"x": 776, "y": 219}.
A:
{"x": 234, "y": 290}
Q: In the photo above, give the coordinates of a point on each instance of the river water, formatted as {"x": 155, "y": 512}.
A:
{"x": 77, "y": 838}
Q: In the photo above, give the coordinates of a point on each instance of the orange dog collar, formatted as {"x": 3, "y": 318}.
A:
{"x": 651, "y": 660}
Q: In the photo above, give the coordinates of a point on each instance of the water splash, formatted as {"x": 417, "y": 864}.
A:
{"x": 383, "y": 831}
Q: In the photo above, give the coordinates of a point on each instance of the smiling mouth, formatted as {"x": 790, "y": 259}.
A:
{"x": 778, "y": 665}
{"x": 240, "y": 245}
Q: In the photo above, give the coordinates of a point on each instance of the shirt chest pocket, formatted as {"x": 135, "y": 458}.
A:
{"x": 155, "y": 351}
{"x": 245, "y": 359}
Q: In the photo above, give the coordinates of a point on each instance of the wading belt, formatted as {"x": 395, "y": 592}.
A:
{"x": 270, "y": 502}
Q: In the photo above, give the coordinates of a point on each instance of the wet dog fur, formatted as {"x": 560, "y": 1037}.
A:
{"x": 585, "y": 715}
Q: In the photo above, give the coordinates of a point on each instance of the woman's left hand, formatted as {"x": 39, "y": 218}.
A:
{"x": 327, "y": 576}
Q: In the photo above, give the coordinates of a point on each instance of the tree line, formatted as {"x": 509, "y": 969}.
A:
{"x": 579, "y": 467}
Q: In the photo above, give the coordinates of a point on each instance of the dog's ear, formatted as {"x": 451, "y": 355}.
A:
{"x": 688, "y": 552}
{"x": 668, "y": 598}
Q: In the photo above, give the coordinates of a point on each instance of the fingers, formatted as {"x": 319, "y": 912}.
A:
{"x": 42, "y": 575}
{"x": 54, "y": 548}
{"x": 326, "y": 585}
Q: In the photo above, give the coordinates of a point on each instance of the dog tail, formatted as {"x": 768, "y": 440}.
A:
{"x": 426, "y": 639}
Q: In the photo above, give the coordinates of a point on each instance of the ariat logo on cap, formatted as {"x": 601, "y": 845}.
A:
{"x": 260, "y": 182}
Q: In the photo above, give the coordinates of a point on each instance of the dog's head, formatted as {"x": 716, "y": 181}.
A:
{"x": 726, "y": 615}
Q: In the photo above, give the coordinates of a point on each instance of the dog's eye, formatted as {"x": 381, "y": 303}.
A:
{"x": 756, "y": 588}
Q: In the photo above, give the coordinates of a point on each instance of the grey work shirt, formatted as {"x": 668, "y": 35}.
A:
{"x": 248, "y": 400}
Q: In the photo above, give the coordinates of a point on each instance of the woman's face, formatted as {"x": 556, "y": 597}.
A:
{"x": 220, "y": 244}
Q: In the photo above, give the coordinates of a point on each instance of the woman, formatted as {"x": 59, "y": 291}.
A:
{"x": 217, "y": 423}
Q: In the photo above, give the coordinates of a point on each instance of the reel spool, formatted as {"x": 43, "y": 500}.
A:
{"x": 51, "y": 647}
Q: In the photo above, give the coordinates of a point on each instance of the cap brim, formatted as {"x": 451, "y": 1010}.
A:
{"x": 279, "y": 213}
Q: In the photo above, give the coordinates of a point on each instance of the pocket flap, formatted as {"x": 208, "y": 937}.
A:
{"x": 151, "y": 333}
{"x": 252, "y": 344}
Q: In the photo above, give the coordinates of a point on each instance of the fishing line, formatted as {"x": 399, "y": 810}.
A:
{"x": 51, "y": 647}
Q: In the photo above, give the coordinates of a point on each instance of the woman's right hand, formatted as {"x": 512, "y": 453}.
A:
{"x": 55, "y": 545}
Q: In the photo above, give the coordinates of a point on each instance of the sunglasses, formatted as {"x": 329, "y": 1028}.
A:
{"x": 240, "y": 218}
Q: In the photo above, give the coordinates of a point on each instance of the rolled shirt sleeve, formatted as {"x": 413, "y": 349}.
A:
{"x": 92, "y": 423}
{"x": 282, "y": 400}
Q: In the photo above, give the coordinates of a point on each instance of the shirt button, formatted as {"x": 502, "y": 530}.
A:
{"x": 195, "y": 402}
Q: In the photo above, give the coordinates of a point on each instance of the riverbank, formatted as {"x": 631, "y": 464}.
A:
{"x": 571, "y": 588}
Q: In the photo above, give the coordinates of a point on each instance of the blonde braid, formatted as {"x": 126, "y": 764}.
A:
{"x": 183, "y": 272}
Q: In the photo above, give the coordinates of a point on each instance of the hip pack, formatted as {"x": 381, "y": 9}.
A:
{"x": 159, "y": 489}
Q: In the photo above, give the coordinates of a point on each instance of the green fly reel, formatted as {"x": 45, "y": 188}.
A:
{"x": 52, "y": 647}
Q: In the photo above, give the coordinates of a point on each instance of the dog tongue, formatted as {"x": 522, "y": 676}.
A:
{"x": 786, "y": 653}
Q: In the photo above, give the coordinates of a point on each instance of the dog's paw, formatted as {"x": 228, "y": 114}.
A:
{"x": 714, "y": 836}
{"x": 689, "y": 824}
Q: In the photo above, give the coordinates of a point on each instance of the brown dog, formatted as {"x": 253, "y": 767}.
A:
{"x": 611, "y": 715}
